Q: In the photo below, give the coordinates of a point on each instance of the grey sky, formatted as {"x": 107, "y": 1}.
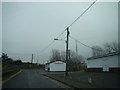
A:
{"x": 0, "y": 28}
{"x": 29, "y": 27}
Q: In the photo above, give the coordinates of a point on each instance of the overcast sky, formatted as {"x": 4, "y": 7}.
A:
{"x": 29, "y": 27}
{"x": 0, "y": 28}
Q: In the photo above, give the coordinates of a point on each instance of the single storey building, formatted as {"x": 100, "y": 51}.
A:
{"x": 57, "y": 65}
{"x": 108, "y": 62}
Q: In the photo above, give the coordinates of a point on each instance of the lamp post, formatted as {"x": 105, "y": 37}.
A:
{"x": 66, "y": 73}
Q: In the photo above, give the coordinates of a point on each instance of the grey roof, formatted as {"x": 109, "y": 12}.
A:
{"x": 105, "y": 55}
{"x": 55, "y": 61}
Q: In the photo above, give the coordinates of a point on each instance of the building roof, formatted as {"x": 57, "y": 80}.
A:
{"x": 105, "y": 55}
{"x": 55, "y": 61}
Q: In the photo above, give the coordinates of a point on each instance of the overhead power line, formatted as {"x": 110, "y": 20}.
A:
{"x": 68, "y": 27}
{"x": 51, "y": 43}
{"x": 77, "y": 18}
{"x": 84, "y": 44}
{"x": 80, "y": 42}
{"x": 47, "y": 46}
{"x": 61, "y": 34}
{"x": 82, "y": 14}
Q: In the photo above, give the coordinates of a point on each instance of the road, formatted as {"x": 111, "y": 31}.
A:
{"x": 30, "y": 79}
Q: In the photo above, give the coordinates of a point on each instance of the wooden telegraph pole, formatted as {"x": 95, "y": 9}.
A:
{"x": 67, "y": 50}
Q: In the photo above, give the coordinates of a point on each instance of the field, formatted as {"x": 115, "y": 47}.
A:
{"x": 8, "y": 71}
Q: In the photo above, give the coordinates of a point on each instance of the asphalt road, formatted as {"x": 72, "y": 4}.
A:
{"x": 30, "y": 79}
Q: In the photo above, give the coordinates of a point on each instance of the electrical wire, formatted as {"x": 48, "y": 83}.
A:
{"x": 82, "y": 14}
{"x": 63, "y": 37}
{"x": 77, "y": 18}
{"x": 47, "y": 46}
{"x": 70, "y": 26}
{"x": 52, "y": 42}
{"x": 80, "y": 42}
{"x": 84, "y": 44}
{"x": 61, "y": 34}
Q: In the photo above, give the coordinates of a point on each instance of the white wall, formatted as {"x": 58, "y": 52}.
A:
{"x": 111, "y": 61}
{"x": 58, "y": 66}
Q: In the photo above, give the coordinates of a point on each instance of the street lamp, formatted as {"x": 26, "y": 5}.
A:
{"x": 59, "y": 39}
{"x": 56, "y": 39}
{"x": 66, "y": 48}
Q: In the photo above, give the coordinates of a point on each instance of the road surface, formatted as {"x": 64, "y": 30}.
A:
{"x": 30, "y": 79}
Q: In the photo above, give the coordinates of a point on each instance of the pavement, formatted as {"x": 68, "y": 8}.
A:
{"x": 41, "y": 79}
{"x": 86, "y": 79}
{"x": 30, "y": 79}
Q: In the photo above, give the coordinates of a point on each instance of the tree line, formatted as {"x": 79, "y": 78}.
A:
{"x": 7, "y": 60}
{"x": 74, "y": 61}
{"x": 107, "y": 48}
{"x": 57, "y": 55}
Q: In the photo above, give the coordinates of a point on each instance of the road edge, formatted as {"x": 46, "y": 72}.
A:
{"x": 61, "y": 81}
{"x": 4, "y": 81}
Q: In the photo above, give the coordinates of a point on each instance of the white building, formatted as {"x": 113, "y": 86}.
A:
{"x": 109, "y": 62}
{"x": 58, "y": 65}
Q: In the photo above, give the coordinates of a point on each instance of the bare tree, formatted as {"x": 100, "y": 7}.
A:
{"x": 112, "y": 47}
{"x": 108, "y": 48}
{"x": 73, "y": 58}
{"x": 63, "y": 55}
{"x": 97, "y": 51}
{"x": 115, "y": 46}
{"x": 55, "y": 55}
{"x": 80, "y": 59}
{"x": 74, "y": 62}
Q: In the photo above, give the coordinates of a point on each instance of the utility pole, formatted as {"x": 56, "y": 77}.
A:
{"x": 32, "y": 59}
{"x": 67, "y": 49}
{"x": 76, "y": 49}
{"x": 37, "y": 61}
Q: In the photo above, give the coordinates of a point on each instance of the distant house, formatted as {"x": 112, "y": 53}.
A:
{"x": 58, "y": 65}
{"x": 106, "y": 63}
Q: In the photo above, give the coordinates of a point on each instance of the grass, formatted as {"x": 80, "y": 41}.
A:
{"x": 8, "y": 71}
